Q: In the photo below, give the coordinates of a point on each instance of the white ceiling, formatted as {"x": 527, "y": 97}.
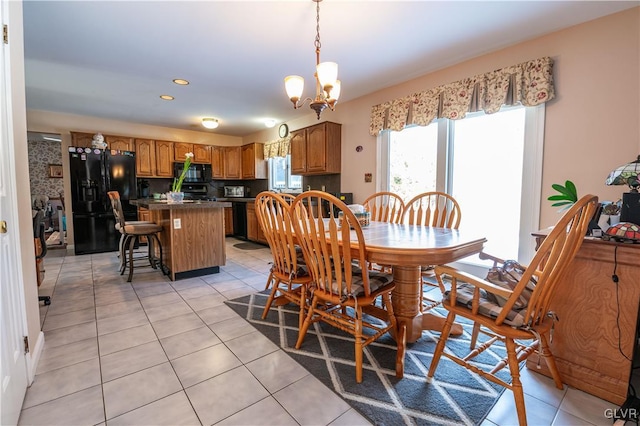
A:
{"x": 114, "y": 59}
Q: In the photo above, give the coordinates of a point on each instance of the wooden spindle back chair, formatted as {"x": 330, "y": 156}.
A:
{"x": 341, "y": 292}
{"x": 523, "y": 329}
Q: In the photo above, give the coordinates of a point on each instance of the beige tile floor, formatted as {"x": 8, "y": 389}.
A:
{"x": 156, "y": 352}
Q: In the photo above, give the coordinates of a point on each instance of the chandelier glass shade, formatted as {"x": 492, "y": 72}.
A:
{"x": 327, "y": 83}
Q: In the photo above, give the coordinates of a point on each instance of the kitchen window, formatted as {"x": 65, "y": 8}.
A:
{"x": 280, "y": 177}
{"x": 491, "y": 164}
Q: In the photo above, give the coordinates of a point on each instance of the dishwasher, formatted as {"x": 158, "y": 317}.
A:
{"x": 239, "y": 219}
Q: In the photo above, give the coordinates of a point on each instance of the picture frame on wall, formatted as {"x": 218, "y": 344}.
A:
{"x": 55, "y": 170}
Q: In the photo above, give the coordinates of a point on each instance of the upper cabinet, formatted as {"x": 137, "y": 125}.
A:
{"x": 233, "y": 162}
{"x": 119, "y": 143}
{"x": 145, "y": 157}
{"x": 201, "y": 153}
{"x": 81, "y": 140}
{"x": 316, "y": 150}
{"x": 217, "y": 162}
{"x": 180, "y": 150}
{"x": 253, "y": 164}
{"x": 164, "y": 159}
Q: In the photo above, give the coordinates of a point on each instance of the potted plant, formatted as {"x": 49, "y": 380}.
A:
{"x": 566, "y": 197}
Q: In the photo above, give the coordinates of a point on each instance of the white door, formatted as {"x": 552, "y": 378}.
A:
{"x": 13, "y": 366}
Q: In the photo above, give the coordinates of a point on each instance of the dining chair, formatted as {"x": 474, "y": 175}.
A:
{"x": 288, "y": 277}
{"x": 514, "y": 323}
{"x": 384, "y": 207}
{"x": 436, "y": 209}
{"x": 342, "y": 293}
{"x": 131, "y": 231}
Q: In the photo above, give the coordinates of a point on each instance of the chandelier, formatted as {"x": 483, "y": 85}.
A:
{"x": 327, "y": 83}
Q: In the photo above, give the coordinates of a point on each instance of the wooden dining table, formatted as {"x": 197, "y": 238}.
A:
{"x": 407, "y": 248}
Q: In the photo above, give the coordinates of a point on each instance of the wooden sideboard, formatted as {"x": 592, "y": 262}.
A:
{"x": 595, "y": 338}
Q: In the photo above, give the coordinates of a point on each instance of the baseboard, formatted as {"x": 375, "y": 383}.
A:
{"x": 34, "y": 357}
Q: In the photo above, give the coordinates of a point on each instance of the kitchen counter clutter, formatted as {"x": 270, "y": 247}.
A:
{"x": 192, "y": 235}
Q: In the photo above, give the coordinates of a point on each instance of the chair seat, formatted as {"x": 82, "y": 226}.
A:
{"x": 141, "y": 228}
{"x": 486, "y": 307}
{"x": 133, "y": 222}
{"x": 377, "y": 280}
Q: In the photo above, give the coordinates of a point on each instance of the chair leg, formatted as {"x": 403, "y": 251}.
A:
{"x": 156, "y": 262}
{"x": 446, "y": 329}
{"x": 272, "y": 296}
{"x": 474, "y": 335}
{"x": 545, "y": 352}
{"x": 132, "y": 244}
{"x": 269, "y": 280}
{"x": 307, "y": 322}
{"x": 123, "y": 256}
{"x": 516, "y": 384}
{"x": 358, "y": 344}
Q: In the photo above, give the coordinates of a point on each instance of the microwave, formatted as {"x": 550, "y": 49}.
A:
{"x": 234, "y": 191}
{"x": 197, "y": 173}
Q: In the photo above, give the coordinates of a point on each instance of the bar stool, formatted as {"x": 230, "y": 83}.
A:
{"x": 131, "y": 233}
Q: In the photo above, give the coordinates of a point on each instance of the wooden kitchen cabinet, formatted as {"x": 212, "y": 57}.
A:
{"x": 595, "y": 338}
{"x": 217, "y": 162}
{"x": 201, "y": 153}
{"x": 254, "y": 231}
{"x": 145, "y": 157}
{"x": 233, "y": 162}
{"x": 81, "y": 140}
{"x": 316, "y": 150}
{"x": 144, "y": 214}
{"x": 254, "y": 166}
{"x": 228, "y": 221}
{"x": 119, "y": 143}
{"x": 180, "y": 150}
{"x": 164, "y": 159}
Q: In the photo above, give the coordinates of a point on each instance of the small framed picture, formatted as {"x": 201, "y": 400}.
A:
{"x": 55, "y": 170}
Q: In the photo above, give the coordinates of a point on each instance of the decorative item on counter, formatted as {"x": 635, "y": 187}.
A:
{"x": 610, "y": 215}
{"x": 628, "y": 174}
{"x": 98, "y": 141}
{"x": 625, "y": 232}
{"x": 176, "y": 195}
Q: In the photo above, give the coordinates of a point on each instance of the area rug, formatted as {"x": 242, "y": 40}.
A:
{"x": 249, "y": 246}
{"x": 455, "y": 396}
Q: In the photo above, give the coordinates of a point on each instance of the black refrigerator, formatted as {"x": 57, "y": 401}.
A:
{"x": 94, "y": 172}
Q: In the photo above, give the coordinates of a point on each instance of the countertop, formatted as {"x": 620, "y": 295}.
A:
{"x": 152, "y": 204}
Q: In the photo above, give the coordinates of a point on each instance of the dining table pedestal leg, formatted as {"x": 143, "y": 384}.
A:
{"x": 406, "y": 299}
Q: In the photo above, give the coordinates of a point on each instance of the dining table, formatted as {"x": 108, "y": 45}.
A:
{"x": 407, "y": 248}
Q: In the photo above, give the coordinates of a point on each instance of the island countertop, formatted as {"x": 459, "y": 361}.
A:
{"x": 185, "y": 205}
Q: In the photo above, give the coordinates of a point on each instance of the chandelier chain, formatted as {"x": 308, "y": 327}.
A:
{"x": 317, "y": 42}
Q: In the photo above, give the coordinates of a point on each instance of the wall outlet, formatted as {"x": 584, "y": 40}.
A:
{"x": 368, "y": 177}
{"x": 177, "y": 223}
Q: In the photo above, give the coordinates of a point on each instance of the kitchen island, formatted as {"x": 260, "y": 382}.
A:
{"x": 192, "y": 235}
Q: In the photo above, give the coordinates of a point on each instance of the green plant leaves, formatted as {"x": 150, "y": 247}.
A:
{"x": 567, "y": 196}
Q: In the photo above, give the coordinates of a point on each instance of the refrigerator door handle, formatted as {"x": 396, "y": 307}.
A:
{"x": 106, "y": 181}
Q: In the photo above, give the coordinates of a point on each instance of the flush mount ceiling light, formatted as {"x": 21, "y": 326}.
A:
{"x": 327, "y": 83}
{"x": 270, "y": 123}
{"x": 166, "y": 97}
{"x": 180, "y": 81}
{"x": 210, "y": 123}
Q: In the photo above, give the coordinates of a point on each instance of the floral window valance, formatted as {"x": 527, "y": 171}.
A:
{"x": 529, "y": 83}
{"x": 277, "y": 148}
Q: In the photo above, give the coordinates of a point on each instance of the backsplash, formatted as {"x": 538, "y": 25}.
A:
{"x": 41, "y": 155}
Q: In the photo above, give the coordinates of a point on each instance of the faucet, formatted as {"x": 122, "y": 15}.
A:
{"x": 308, "y": 187}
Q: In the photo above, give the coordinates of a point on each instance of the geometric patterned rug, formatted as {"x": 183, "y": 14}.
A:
{"x": 455, "y": 396}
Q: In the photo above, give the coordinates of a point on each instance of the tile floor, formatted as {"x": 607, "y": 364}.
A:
{"x": 160, "y": 352}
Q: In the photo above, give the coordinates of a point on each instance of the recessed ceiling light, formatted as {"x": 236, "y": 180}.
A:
{"x": 167, "y": 97}
{"x": 210, "y": 123}
{"x": 180, "y": 81}
{"x": 270, "y": 122}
